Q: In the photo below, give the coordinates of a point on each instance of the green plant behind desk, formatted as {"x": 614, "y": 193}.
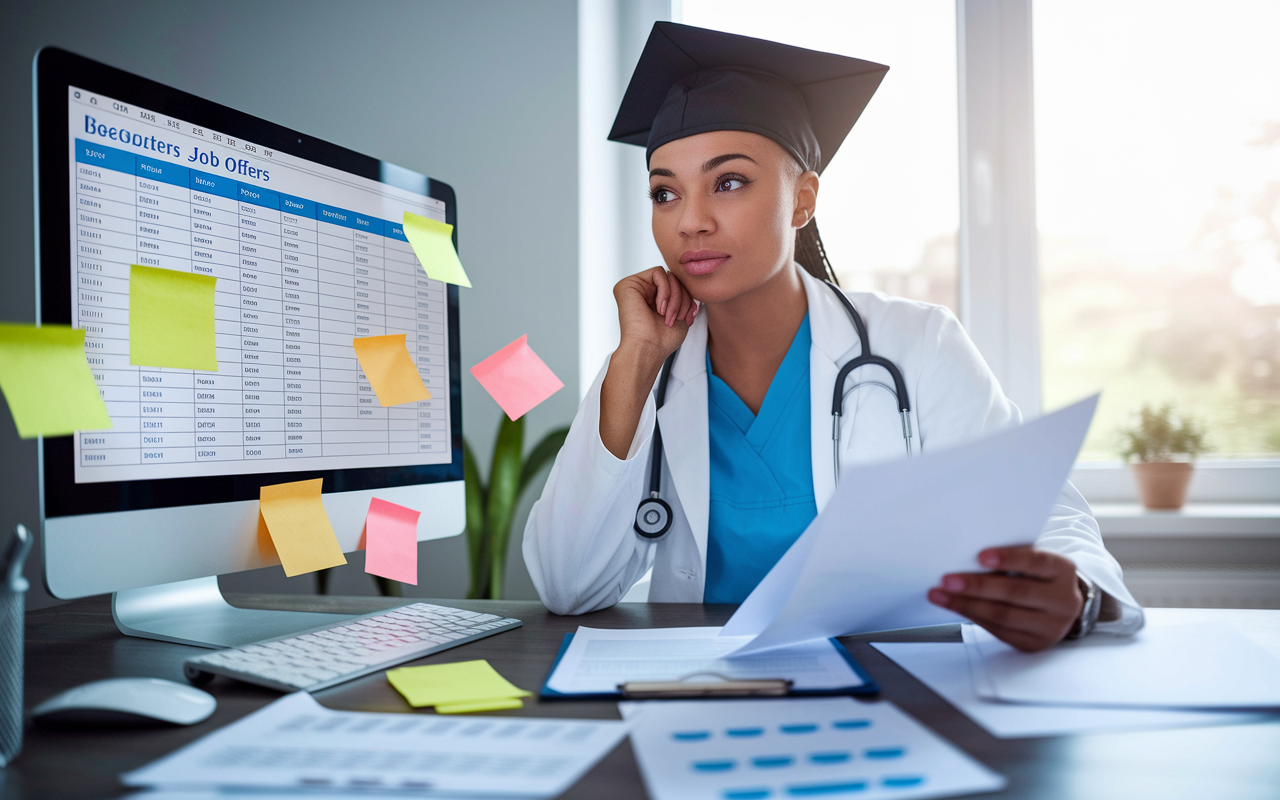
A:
{"x": 491, "y": 507}
{"x": 1161, "y": 448}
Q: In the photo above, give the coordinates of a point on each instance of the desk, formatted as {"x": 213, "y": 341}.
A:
{"x": 77, "y": 642}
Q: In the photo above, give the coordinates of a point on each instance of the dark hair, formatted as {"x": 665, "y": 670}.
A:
{"x": 812, "y": 255}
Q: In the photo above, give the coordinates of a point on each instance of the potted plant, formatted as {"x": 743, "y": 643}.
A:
{"x": 1162, "y": 448}
{"x": 491, "y": 506}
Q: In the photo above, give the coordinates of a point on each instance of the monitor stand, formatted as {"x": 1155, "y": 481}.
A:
{"x": 195, "y": 612}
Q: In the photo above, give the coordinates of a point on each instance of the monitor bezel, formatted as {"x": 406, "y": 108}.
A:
{"x": 56, "y": 70}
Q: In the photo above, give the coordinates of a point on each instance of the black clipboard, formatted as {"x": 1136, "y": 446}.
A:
{"x": 867, "y": 687}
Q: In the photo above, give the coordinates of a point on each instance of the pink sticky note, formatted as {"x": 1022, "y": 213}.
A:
{"x": 517, "y": 378}
{"x": 391, "y": 541}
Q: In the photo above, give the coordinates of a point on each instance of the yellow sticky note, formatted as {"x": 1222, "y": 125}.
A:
{"x": 432, "y": 243}
{"x": 47, "y": 382}
{"x": 390, "y": 369}
{"x": 496, "y": 704}
{"x": 299, "y": 527}
{"x": 171, "y": 319}
{"x": 465, "y": 683}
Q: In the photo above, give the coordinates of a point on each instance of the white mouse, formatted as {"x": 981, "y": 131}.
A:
{"x": 126, "y": 701}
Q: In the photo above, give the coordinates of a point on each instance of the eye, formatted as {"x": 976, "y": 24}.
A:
{"x": 730, "y": 183}
{"x": 661, "y": 195}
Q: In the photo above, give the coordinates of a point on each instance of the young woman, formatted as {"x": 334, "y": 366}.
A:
{"x": 737, "y": 131}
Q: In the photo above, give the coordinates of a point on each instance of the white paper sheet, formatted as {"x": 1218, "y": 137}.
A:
{"x": 944, "y": 668}
{"x": 297, "y": 743}
{"x": 1174, "y": 662}
{"x": 892, "y": 530}
{"x": 747, "y": 749}
{"x": 597, "y": 660}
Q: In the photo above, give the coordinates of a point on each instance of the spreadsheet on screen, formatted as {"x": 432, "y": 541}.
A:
{"x": 307, "y": 258}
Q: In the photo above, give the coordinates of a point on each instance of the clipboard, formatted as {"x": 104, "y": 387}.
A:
{"x": 745, "y": 688}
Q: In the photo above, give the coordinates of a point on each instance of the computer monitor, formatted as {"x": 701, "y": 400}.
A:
{"x": 305, "y": 240}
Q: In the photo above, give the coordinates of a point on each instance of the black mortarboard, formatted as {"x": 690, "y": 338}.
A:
{"x": 693, "y": 80}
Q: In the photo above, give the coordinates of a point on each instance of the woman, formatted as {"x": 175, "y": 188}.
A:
{"x": 737, "y": 131}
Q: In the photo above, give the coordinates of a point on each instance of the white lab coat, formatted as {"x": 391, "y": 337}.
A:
{"x": 579, "y": 545}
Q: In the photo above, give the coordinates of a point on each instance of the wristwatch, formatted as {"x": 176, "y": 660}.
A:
{"x": 1089, "y": 613}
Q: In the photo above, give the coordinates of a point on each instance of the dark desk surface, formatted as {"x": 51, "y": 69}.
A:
{"x": 78, "y": 642}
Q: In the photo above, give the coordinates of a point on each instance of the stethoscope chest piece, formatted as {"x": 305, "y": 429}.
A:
{"x": 653, "y": 517}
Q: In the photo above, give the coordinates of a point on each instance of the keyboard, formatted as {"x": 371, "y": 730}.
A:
{"x": 329, "y": 655}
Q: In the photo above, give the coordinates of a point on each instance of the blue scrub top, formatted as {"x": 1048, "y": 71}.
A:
{"x": 761, "y": 475}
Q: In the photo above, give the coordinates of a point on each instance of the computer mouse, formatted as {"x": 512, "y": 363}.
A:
{"x": 126, "y": 702}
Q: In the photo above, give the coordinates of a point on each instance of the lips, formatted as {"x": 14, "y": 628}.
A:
{"x": 702, "y": 262}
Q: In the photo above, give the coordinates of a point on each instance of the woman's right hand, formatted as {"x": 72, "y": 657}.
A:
{"x": 654, "y": 315}
{"x": 654, "y": 312}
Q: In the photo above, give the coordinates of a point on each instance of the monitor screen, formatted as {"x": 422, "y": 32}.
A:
{"x": 305, "y": 241}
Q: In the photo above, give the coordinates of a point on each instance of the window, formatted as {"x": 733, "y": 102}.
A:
{"x": 888, "y": 207}
{"x": 1158, "y": 199}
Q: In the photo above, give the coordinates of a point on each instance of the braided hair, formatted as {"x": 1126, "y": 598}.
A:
{"x": 812, "y": 255}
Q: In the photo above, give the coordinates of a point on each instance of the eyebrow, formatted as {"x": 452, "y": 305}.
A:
{"x": 718, "y": 160}
{"x": 706, "y": 167}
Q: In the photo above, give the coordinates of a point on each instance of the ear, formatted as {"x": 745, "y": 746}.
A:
{"x": 806, "y": 199}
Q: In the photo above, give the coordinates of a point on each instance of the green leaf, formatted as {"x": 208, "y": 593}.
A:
{"x": 543, "y": 452}
{"x": 475, "y": 502}
{"x": 500, "y": 506}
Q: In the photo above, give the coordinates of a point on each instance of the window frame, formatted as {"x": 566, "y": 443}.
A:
{"x": 998, "y": 258}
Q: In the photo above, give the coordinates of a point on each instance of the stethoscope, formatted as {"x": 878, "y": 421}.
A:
{"x": 653, "y": 516}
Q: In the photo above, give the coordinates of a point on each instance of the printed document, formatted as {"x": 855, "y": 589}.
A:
{"x": 1210, "y": 660}
{"x": 810, "y": 747}
{"x": 295, "y": 743}
{"x": 893, "y": 529}
{"x": 598, "y": 660}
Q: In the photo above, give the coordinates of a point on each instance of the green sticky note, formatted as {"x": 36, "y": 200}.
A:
{"x": 171, "y": 319}
{"x": 465, "y": 683}
{"x": 45, "y": 378}
{"x": 433, "y": 245}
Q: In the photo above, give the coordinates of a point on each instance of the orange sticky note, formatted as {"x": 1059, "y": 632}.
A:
{"x": 517, "y": 378}
{"x": 391, "y": 541}
{"x": 299, "y": 527}
{"x": 390, "y": 369}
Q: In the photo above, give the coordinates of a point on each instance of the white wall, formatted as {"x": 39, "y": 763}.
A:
{"x": 481, "y": 95}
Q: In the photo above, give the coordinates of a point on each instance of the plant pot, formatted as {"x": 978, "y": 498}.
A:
{"x": 1163, "y": 484}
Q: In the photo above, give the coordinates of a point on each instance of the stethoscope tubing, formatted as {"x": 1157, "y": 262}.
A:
{"x": 653, "y": 516}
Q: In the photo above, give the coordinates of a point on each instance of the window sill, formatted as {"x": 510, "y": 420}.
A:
{"x": 1237, "y": 520}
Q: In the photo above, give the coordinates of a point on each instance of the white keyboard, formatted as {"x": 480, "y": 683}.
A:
{"x": 326, "y": 656}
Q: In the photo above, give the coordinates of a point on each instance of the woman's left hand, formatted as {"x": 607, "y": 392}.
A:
{"x": 1030, "y": 600}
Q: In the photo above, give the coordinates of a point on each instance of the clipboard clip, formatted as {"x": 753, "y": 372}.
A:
{"x": 724, "y": 686}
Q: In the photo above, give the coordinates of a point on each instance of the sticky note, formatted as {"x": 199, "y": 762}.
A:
{"x": 47, "y": 382}
{"x": 390, "y": 369}
{"x": 171, "y": 319}
{"x": 299, "y": 527}
{"x": 432, "y": 243}
{"x": 495, "y": 704}
{"x": 391, "y": 541}
{"x": 456, "y": 688}
{"x": 517, "y": 378}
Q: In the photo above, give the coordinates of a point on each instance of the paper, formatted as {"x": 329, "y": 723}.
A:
{"x": 1170, "y": 663}
{"x": 171, "y": 319}
{"x": 391, "y": 541}
{"x": 517, "y": 378}
{"x": 944, "y": 668}
{"x": 598, "y": 660}
{"x": 458, "y": 688}
{"x": 47, "y": 382}
{"x": 739, "y": 749}
{"x": 390, "y": 369}
{"x": 297, "y": 743}
{"x": 299, "y": 527}
{"x": 432, "y": 243}
{"x": 893, "y": 529}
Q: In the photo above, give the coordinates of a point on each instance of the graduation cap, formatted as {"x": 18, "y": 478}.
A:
{"x": 693, "y": 80}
